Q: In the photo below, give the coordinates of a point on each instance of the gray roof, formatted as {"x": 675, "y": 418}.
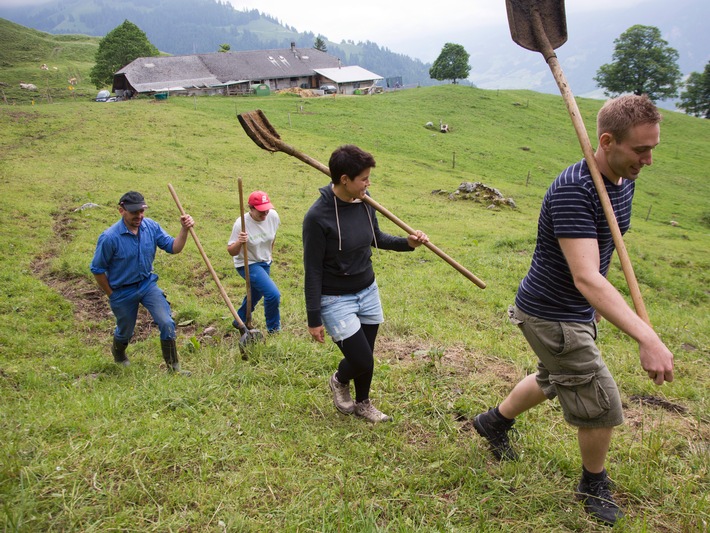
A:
{"x": 207, "y": 70}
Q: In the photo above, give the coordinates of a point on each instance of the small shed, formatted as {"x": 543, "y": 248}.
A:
{"x": 349, "y": 80}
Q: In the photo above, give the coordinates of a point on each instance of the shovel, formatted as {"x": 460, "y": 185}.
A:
{"x": 540, "y": 26}
{"x": 246, "y": 255}
{"x": 260, "y": 130}
{"x": 248, "y": 335}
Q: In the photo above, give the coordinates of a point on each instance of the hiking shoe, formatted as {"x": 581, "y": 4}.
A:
{"x": 598, "y": 501}
{"x": 341, "y": 396}
{"x": 368, "y": 411}
{"x": 494, "y": 428}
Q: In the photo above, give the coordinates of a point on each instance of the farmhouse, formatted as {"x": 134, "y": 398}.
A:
{"x": 234, "y": 73}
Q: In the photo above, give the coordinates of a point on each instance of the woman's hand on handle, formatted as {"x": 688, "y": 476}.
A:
{"x": 417, "y": 239}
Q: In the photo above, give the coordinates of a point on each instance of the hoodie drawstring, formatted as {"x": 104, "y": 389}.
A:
{"x": 371, "y": 227}
{"x": 337, "y": 222}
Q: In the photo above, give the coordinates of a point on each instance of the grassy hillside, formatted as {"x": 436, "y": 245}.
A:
{"x": 23, "y": 51}
{"x": 256, "y": 445}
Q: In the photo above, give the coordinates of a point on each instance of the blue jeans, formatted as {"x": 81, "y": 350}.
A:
{"x": 262, "y": 286}
{"x": 124, "y": 303}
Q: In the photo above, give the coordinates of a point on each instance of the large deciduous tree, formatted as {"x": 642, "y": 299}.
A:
{"x": 643, "y": 63}
{"x": 452, "y": 64}
{"x": 695, "y": 100}
{"x": 121, "y": 45}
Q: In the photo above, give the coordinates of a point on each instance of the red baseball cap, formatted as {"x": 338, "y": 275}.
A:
{"x": 259, "y": 200}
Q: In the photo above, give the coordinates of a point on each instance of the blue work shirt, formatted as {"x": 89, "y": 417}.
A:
{"x": 126, "y": 258}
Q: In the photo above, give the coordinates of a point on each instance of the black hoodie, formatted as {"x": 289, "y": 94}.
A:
{"x": 337, "y": 254}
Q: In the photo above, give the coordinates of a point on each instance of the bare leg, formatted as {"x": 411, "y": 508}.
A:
{"x": 525, "y": 395}
{"x": 593, "y": 446}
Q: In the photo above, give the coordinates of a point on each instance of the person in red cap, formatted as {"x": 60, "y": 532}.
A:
{"x": 258, "y": 235}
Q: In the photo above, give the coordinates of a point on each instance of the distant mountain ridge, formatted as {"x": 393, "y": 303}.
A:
{"x": 201, "y": 26}
{"x": 182, "y": 27}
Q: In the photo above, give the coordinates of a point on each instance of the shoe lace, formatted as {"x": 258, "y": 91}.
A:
{"x": 601, "y": 491}
{"x": 369, "y": 409}
{"x": 341, "y": 389}
{"x": 499, "y": 433}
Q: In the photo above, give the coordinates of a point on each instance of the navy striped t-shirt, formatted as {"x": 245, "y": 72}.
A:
{"x": 571, "y": 209}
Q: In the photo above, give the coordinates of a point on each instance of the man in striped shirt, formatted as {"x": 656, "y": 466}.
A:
{"x": 566, "y": 292}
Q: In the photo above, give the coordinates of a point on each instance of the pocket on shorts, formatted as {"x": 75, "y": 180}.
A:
{"x": 581, "y": 395}
{"x": 328, "y": 299}
{"x": 513, "y": 317}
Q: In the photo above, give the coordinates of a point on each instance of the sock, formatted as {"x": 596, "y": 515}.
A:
{"x": 504, "y": 419}
{"x": 586, "y": 474}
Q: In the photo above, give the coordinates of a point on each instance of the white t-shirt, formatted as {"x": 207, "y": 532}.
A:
{"x": 261, "y": 238}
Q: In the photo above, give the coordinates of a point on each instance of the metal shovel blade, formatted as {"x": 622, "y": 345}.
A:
{"x": 250, "y": 337}
{"x": 531, "y": 21}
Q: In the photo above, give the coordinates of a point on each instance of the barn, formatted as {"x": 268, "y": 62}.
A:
{"x": 234, "y": 73}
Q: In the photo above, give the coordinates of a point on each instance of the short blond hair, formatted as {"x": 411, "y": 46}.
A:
{"x": 618, "y": 115}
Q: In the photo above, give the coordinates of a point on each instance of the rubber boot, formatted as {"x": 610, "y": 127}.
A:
{"x": 171, "y": 357}
{"x": 118, "y": 350}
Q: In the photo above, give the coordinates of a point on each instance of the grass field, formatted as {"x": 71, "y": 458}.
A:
{"x": 256, "y": 445}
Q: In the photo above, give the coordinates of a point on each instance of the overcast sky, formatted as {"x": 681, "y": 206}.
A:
{"x": 417, "y": 29}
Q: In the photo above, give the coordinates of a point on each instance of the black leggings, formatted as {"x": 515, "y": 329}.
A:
{"x": 358, "y": 363}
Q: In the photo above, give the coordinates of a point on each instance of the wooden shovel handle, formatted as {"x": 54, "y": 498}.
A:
{"x": 258, "y": 128}
{"x": 548, "y": 53}
{"x": 325, "y": 170}
{"x": 246, "y": 253}
{"x": 225, "y": 297}
{"x": 432, "y": 247}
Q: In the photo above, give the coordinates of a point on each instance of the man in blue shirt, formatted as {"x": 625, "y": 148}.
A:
{"x": 566, "y": 292}
{"x": 123, "y": 268}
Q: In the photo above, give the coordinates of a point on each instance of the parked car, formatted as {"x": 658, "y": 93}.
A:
{"x": 103, "y": 96}
{"x": 329, "y": 89}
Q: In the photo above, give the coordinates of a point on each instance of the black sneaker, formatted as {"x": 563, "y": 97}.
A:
{"x": 598, "y": 501}
{"x": 494, "y": 428}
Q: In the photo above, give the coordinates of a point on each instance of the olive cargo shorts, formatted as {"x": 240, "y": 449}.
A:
{"x": 570, "y": 367}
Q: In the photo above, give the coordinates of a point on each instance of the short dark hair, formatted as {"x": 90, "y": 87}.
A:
{"x": 618, "y": 115}
{"x": 349, "y": 160}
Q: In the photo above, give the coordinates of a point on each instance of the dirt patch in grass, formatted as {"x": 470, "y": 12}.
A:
{"x": 639, "y": 411}
{"x": 454, "y": 358}
{"x": 89, "y": 303}
{"x": 646, "y": 414}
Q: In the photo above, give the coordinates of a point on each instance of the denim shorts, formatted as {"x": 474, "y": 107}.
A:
{"x": 342, "y": 314}
{"x": 570, "y": 367}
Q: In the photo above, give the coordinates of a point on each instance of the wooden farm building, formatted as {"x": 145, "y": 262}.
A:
{"x": 234, "y": 73}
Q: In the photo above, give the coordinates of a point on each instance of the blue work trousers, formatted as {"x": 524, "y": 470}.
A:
{"x": 124, "y": 304}
{"x": 262, "y": 286}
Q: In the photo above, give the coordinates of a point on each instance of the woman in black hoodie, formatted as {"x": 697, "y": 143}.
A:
{"x": 341, "y": 293}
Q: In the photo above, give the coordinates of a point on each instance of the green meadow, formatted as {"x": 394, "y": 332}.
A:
{"x": 256, "y": 444}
